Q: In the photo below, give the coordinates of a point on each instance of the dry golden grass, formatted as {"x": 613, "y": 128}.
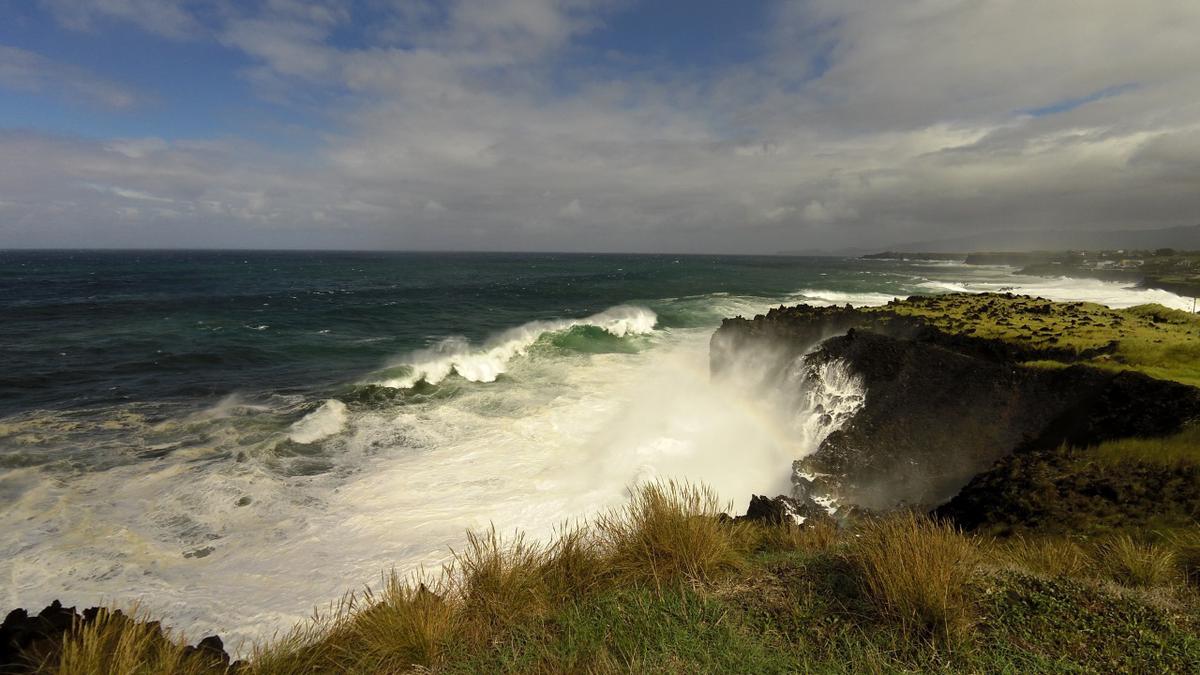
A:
{"x": 499, "y": 584}
{"x": 127, "y": 643}
{"x": 1052, "y": 557}
{"x": 669, "y": 532}
{"x": 916, "y": 571}
{"x": 1186, "y": 544}
{"x": 1132, "y": 563}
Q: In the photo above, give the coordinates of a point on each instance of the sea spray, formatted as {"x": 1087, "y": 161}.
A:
{"x": 321, "y": 423}
{"x": 829, "y": 395}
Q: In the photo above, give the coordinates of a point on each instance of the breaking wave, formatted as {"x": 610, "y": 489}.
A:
{"x": 487, "y": 362}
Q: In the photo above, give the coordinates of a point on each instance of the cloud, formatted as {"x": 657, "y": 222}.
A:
{"x": 167, "y": 18}
{"x": 24, "y": 70}
{"x": 489, "y": 125}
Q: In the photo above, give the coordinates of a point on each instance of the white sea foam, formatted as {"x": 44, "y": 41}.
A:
{"x": 825, "y": 297}
{"x": 487, "y": 362}
{"x": 321, "y": 423}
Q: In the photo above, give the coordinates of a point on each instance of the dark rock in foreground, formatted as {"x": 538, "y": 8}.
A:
{"x": 783, "y": 510}
{"x": 27, "y": 640}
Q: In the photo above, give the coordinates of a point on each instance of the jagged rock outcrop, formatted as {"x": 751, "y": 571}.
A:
{"x": 783, "y": 510}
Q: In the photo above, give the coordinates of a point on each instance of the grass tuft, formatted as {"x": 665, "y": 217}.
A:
{"x": 1052, "y": 557}
{"x": 917, "y": 570}
{"x": 500, "y": 583}
{"x": 669, "y": 532}
{"x": 1186, "y": 544}
{"x": 127, "y": 643}
{"x": 1141, "y": 565}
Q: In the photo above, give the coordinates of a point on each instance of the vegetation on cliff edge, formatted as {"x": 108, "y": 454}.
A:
{"x": 1152, "y": 339}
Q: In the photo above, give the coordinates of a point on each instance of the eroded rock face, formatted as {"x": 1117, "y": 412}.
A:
{"x": 942, "y": 408}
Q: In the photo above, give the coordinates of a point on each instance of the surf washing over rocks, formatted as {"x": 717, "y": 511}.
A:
{"x": 239, "y": 517}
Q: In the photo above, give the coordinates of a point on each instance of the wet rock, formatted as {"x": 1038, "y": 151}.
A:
{"x": 783, "y": 510}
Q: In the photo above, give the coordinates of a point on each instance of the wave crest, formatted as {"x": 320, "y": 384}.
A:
{"x": 486, "y": 362}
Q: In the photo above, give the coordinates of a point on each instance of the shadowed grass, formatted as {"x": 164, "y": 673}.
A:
{"x": 1186, "y": 544}
{"x": 1055, "y": 557}
{"x": 1180, "y": 449}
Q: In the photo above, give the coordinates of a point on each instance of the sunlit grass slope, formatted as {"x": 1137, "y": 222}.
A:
{"x": 1155, "y": 340}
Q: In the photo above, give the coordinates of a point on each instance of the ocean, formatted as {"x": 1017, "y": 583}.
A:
{"x": 236, "y": 437}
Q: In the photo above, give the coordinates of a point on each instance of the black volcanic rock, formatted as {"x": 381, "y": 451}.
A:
{"x": 782, "y": 510}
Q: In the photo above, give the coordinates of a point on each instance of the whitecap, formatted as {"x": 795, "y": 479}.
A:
{"x": 321, "y": 423}
{"x": 488, "y": 361}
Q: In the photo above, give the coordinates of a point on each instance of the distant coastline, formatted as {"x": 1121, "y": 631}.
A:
{"x": 1164, "y": 268}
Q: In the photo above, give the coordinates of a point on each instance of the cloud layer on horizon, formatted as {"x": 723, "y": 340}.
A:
{"x": 500, "y": 125}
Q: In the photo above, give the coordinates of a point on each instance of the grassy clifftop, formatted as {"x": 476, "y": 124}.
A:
{"x": 1152, "y": 339}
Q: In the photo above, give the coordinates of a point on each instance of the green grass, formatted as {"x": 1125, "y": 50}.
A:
{"x": 1180, "y": 449}
{"x": 1152, "y": 339}
{"x": 666, "y": 585}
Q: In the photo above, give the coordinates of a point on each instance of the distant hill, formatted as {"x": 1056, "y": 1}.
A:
{"x": 1186, "y": 238}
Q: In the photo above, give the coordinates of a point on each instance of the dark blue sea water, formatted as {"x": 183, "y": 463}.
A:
{"x": 96, "y": 328}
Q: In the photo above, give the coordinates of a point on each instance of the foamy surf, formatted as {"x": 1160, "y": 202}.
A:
{"x": 323, "y": 422}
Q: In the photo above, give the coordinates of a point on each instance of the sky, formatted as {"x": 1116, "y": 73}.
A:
{"x": 690, "y": 126}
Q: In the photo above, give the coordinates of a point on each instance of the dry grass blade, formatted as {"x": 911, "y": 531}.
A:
{"x": 1187, "y": 554}
{"x": 820, "y": 535}
{"x": 499, "y": 583}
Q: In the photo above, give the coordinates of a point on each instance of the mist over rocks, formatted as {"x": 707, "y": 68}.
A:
{"x": 943, "y": 405}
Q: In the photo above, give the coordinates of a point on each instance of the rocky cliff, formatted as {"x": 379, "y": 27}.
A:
{"x": 947, "y": 402}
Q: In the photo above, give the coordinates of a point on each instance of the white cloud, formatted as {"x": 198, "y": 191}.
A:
{"x": 168, "y": 18}
{"x": 24, "y": 70}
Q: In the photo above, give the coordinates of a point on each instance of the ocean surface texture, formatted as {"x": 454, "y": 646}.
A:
{"x": 235, "y": 437}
